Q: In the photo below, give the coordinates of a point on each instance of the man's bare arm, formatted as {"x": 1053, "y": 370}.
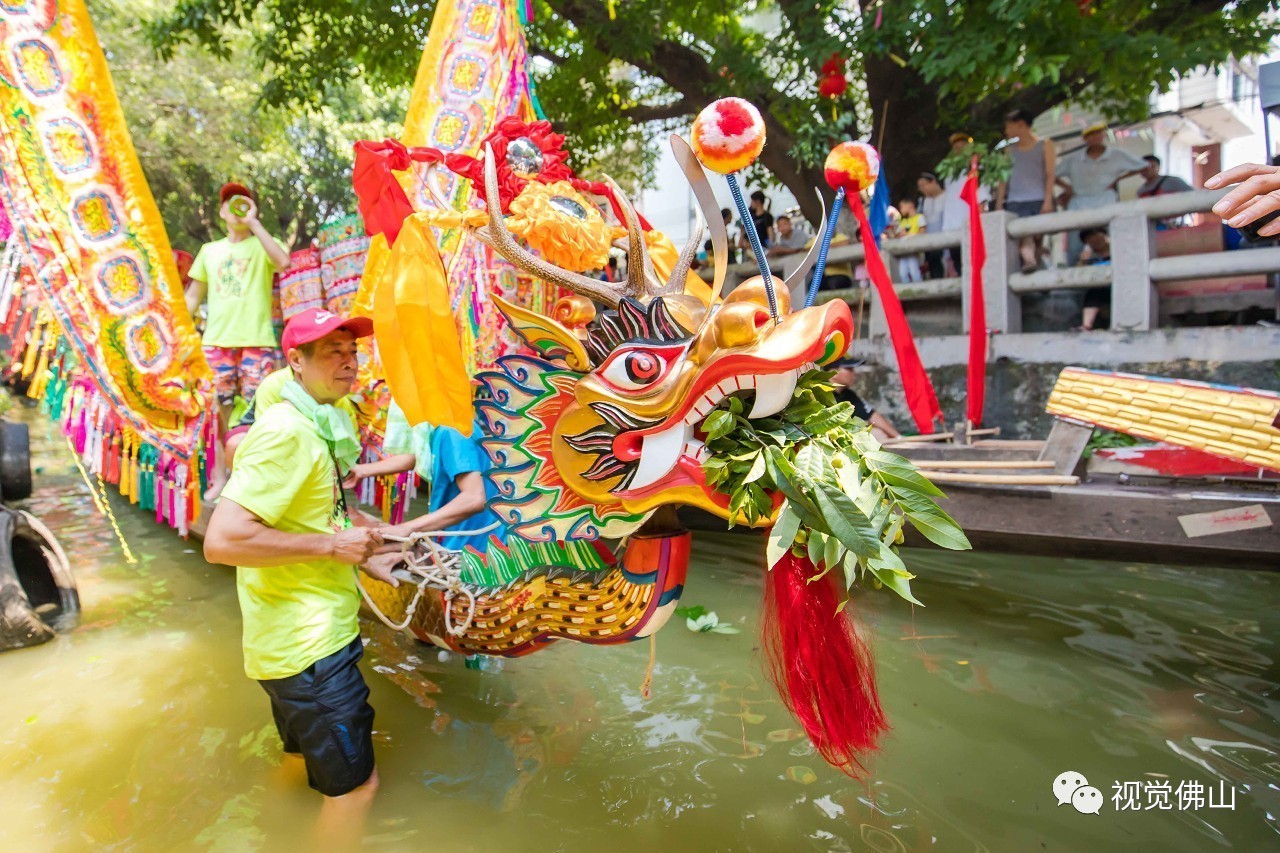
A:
{"x": 469, "y": 501}
{"x": 237, "y": 537}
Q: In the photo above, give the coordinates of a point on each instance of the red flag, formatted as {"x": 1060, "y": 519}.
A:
{"x": 977, "y": 304}
{"x": 921, "y": 399}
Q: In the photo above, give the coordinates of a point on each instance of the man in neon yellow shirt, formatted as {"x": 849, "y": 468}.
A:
{"x": 234, "y": 275}
{"x": 283, "y": 523}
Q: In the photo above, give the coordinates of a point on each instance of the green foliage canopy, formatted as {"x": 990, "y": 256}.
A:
{"x": 198, "y": 121}
{"x": 608, "y": 72}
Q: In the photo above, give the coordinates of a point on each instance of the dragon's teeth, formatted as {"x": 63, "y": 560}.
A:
{"x": 773, "y": 392}
{"x": 659, "y": 453}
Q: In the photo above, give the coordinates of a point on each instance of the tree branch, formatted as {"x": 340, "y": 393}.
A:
{"x": 642, "y": 113}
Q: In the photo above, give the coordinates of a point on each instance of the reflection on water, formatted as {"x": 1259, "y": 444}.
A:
{"x": 140, "y": 730}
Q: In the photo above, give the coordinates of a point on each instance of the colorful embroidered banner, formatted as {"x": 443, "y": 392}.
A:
{"x": 472, "y": 75}
{"x": 90, "y": 227}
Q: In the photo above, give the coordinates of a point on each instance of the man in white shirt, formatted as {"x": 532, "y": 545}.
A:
{"x": 1089, "y": 177}
{"x": 931, "y": 205}
{"x": 955, "y": 210}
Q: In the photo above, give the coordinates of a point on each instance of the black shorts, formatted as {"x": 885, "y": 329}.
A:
{"x": 323, "y": 714}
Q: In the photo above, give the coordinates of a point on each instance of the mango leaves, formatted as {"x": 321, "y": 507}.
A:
{"x": 845, "y": 498}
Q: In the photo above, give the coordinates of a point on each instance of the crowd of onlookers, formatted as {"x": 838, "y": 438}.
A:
{"x": 1040, "y": 181}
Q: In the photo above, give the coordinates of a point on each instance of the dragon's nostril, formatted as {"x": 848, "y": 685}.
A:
{"x": 627, "y": 446}
{"x": 762, "y": 319}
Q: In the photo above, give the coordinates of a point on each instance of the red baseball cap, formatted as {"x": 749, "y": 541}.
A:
{"x": 231, "y": 188}
{"x": 314, "y": 323}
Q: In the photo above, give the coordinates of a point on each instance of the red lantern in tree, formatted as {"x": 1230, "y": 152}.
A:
{"x": 833, "y": 83}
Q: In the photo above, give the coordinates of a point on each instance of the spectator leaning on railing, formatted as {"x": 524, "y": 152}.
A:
{"x": 1029, "y": 190}
{"x": 932, "y": 204}
{"x": 1089, "y": 177}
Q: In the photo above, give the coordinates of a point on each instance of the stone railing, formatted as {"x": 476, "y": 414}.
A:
{"x": 1132, "y": 275}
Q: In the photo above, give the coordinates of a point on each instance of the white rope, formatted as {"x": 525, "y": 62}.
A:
{"x": 438, "y": 568}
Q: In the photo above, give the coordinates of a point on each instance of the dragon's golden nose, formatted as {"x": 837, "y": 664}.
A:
{"x": 752, "y": 291}
{"x": 739, "y": 324}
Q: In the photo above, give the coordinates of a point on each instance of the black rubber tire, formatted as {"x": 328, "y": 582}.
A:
{"x": 38, "y": 596}
{"x": 15, "y": 461}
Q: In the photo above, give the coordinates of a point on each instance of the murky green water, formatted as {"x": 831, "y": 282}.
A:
{"x": 140, "y": 731}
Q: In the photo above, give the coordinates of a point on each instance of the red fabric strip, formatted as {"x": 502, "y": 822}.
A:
{"x": 977, "y": 304}
{"x": 916, "y": 386}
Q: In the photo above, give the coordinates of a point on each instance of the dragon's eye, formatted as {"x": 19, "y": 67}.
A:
{"x": 635, "y": 369}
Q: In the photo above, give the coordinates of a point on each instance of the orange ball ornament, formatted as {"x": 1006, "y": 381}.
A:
{"x": 728, "y": 135}
{"x": 852, "y": 166}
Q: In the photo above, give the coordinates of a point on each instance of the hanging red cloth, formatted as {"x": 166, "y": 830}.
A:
{"x": 977, "y": 378}
{"x": 916, "y": 386}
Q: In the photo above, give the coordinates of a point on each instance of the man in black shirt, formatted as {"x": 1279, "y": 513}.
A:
{"x": 761, "y": 220}
{"x": 880, "y": 426}
{"x": 727, "y": 216}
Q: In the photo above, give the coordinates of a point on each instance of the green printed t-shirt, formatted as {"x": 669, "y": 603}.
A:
{"x": 296, "y": 614}
{"x": 239, "y": 278}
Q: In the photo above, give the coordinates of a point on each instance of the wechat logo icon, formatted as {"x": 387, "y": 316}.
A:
{"x": 1071, "y": 787}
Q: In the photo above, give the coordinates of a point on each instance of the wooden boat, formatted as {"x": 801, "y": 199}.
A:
{"x": 1208, "y": 492}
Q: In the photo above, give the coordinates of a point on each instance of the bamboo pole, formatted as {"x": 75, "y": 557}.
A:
{"x": 937, "y": 464}
{"x": 1004, "y": 479}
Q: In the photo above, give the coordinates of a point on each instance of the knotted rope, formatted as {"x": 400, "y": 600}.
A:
{"x": 435, "y": 567}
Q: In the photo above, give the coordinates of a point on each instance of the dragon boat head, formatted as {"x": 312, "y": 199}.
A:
{"x": 627, "y": 433}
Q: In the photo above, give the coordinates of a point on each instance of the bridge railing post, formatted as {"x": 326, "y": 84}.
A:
{"x": 1134, "y": 297}
{"x": 1004, "y": 307}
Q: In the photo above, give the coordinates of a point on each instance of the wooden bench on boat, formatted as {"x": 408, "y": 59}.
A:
{"x": 1208, "y": 493}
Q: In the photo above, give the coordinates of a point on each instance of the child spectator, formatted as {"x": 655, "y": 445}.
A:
{"x": 910, "y": 222}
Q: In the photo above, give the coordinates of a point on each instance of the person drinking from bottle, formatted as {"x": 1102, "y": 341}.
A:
{"x": 233, "y": 275}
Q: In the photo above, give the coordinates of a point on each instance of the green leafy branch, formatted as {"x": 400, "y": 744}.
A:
{"x": 841, "y": 499}
{"x": 994, "y": 167}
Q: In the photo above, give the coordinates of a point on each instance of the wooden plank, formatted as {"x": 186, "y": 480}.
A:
{"x": 1003, "y": 479}
{"x": 1065, "y": 445}
{"x": 948, "y": 464}
{"x": 1112, "y": 522}
{"x": 1012, "y": 443}
{"x": 914, "y": 439}
{"x": 959, "y": 453}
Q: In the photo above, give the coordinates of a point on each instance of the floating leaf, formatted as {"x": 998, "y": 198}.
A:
{"x": 783, "y": 735}
{"x": 803, "y": 775}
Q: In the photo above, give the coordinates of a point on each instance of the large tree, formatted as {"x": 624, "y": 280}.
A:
{"x": 198, "y": 121}
{"x": 611, "y": 70}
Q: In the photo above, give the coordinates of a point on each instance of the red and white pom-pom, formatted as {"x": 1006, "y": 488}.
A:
{"x": 728, "y": 135}
{"x": 852, "y": 166}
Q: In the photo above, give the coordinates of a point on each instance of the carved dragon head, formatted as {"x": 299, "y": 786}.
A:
{"x": 619, "y": 418}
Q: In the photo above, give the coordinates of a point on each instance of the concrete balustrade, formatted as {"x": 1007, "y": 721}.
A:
{"x": 1132, "y": 275}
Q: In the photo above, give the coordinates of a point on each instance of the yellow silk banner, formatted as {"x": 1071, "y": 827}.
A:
{"x": 417, "y": 337}
{"x": 89, "y": 225}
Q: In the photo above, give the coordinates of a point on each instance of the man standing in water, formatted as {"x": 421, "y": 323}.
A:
{"x": 234, "y": 274}
{"x": 283, "y": 523}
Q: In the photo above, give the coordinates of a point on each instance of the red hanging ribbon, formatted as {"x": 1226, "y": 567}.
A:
{"x": 916, "y": 386}
{"x": 977, "y": 378}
